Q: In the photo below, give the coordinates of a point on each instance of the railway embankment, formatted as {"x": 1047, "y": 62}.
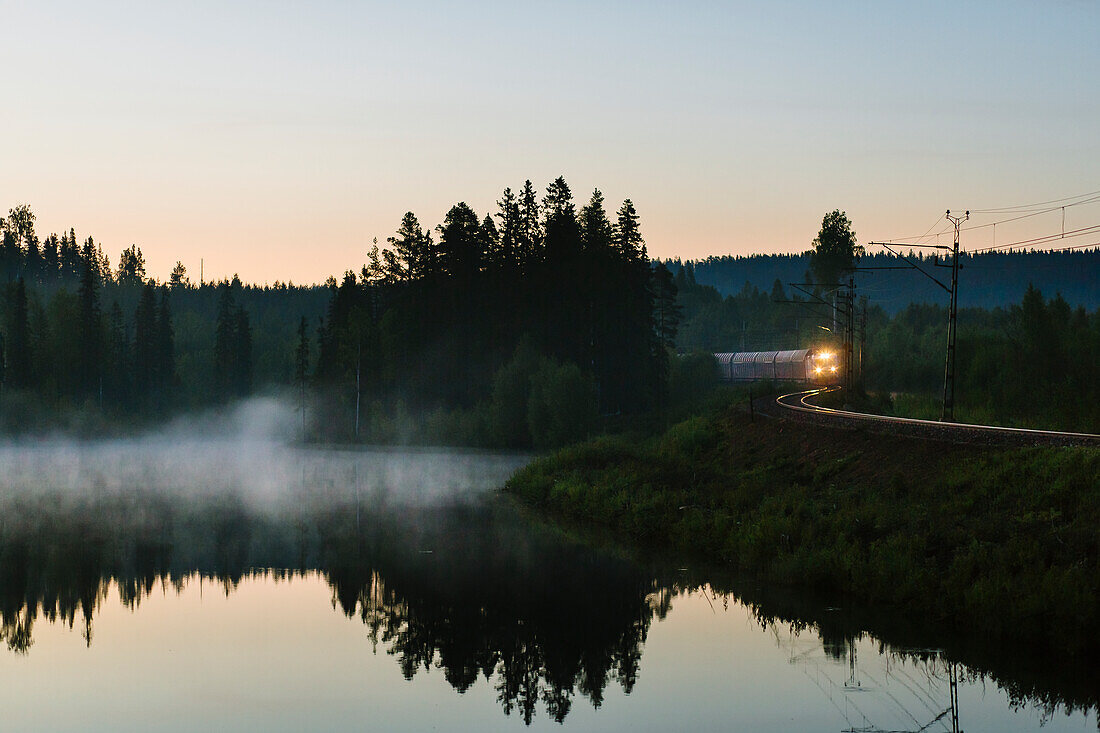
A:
{"x": 1002, "y": 542}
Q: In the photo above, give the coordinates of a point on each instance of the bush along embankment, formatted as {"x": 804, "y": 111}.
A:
{"x": 1002, "y": 542}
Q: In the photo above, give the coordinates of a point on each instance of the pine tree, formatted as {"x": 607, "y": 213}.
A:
{"x": 460, "y": 255}
{"x": 131, "y": 267}
{"x": 411, "y": 250}
{"x": 178, "y": 278}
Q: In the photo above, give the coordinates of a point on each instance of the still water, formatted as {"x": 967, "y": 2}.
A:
{"x": 185, "y": 584}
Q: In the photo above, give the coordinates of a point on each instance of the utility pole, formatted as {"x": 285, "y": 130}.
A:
{"x": 862, "y": 336}
{"x": 849, "y": 334}
{"x": 949, "y": 369}
{"x": 358, "y": 390}
{"x": 953, "y": 291}
{"x": 953, "y": 680}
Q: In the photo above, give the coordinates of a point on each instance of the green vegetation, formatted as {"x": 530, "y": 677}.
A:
{"x": 1035, "y": 364}
{"x": 1002, "y": 542}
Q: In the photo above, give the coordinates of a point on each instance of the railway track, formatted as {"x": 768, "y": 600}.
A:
{"x": 796, "y": 405}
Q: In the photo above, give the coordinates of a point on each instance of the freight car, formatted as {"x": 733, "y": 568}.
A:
{"x": 800, "y": 365}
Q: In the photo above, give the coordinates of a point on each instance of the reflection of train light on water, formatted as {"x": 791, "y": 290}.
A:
{"x": 800, "y": 365}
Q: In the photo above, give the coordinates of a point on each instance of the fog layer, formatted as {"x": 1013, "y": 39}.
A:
{"x": 248, "y": 450}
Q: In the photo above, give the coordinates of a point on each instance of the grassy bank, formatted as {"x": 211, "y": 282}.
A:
{"x": 1003, "y": 542}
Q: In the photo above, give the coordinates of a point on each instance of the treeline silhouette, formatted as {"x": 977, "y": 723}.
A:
{"x": 469, "y": 589}
{"x": 516, "y": 329}
{"x": 81, "y": 339}
{"x": 988, "y": 279}
{"x": 521, "y": 327}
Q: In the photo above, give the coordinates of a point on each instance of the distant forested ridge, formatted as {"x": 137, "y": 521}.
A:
{"x": 521, "y": 327}
{"x": 987, "y": 280}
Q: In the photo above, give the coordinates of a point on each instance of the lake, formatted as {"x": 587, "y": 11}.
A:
{"x": 181, "y": 583}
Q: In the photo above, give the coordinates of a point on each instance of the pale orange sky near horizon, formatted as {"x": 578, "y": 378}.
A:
{"x": 276, "y": 142}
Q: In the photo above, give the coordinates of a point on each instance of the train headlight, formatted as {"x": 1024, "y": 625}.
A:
{"x": 817, "y": 370}
{"x": 826, "y": 355}
{"x": 832, "y": 369}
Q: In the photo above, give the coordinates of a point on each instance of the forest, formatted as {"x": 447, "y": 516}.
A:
{"x": 989, "y": 279}
{"x": 1035, "y": 363}
{"x": 526, "y": 326}
{"x": 535, "y": 325}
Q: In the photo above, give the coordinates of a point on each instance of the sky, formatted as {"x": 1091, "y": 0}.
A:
{"x": 277, "y": 140}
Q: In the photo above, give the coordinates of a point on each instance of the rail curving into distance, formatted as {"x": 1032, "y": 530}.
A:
{"x": 797, "y": 401}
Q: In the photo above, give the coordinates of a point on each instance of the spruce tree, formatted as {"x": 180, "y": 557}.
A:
{"x": 530, "y": 225}
{"x": 511, "y": 232}
{"x": 301, "y": 368}
{"x": 225, "y": 343}
{"x": 90, "y": 337}
{"x": 666, "y": 310}
{"x": 11, "y": 256}
{"x": 116, "y": 369}
{"x": 69, "y": 254}
{"x": 489, "y": 244}
{"x": 20, "y": 359}
{"x": 51, "y": 259}
{"x": 146, "y": 375}
{"x": 242, "y": 372}
{"x": 165, "y": 353}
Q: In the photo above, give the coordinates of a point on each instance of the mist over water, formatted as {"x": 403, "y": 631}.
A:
{"x": 250, "y": 451}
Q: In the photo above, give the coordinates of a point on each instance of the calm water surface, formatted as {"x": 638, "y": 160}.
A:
{"x": 189, "y": 584}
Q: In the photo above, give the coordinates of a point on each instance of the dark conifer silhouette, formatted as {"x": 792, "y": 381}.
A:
{"x": 90, "y": 335}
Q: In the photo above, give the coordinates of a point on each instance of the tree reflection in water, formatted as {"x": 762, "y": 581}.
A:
{"x": 472, "y": 589}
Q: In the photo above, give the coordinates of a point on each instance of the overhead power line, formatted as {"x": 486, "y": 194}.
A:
{"x": 1037, "y": 212}
{"x": 1040, "y": 240}
{"x": 1006, "y": 209}
{"x": 1087, "y": 198}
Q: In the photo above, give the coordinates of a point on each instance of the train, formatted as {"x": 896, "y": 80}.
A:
{"x": 806, "y": 366}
